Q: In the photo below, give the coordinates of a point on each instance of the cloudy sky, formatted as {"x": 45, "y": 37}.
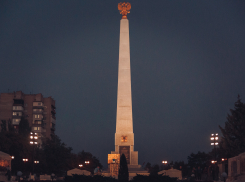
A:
{"x": 187, "y": 66}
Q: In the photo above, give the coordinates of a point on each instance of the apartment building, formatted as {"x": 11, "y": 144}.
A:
{"x": 39, "y": 111}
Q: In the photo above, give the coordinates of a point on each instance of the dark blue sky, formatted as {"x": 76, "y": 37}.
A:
{"x": 187, "y": 64}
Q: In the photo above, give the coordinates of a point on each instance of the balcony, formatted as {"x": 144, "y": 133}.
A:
{"x": 37, "y": 105}
{"x": 15, "y": 121}
{"x": 40, "y": 110}
{"x": 37, "y": 129}
{"x": 18, "y": 108}
{"x": 17, "y": 114}
{"x": 18, "y": 102}
{"x": 37, "y": 116}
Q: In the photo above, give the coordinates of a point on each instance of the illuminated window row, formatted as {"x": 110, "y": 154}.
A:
{"x": 17, "y": 113}
{"x": 18, "y": 108}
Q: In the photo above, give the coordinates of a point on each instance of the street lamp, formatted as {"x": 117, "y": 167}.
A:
{"x": 25, "y": 160}
{"x": 164, "y": 162}
{"x": 224, "y": 159}
{"x": 80, "y": 165}
{"x": 33, "y": 141}
{"x": 36, "y": 162}
{"x": 214, "y": 141}
{"x": 86, "y": 162}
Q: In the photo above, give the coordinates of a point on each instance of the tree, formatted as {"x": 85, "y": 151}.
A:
{"x": 87, "y": 156}
{"x": 15, "y": 145}
{"x": 233, "y": 140}
{"x": 154, "y": 170}
{"x": 148, "y": 166}
{"x": 200, "y": 159}
{"x": 123, "y": 170}
{"x": 24, "y": 128}
{"x": 56, "y": 156}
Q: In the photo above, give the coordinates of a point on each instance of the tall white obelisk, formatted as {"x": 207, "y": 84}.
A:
{"x": 124, "y": 136}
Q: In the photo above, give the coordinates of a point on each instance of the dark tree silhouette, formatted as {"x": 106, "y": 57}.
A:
{"x": 233, "y": 140}
{"x": 24, "y": 128}
{"x": 123, "y": 170}
{"x": 201, "y": 159}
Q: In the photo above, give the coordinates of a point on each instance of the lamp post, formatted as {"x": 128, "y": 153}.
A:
{"x": 214, "y": 141}
{"x": 164, "y": 163}
{"x": 33, "y": 141}
{"x": 25, "y": 160}
{"x": 12, "y": 157}
{"x": 86, "y": 165}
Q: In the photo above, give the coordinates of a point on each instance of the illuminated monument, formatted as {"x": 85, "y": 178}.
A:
{"x": 124, "y": 136}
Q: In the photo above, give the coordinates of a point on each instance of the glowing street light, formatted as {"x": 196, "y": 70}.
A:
{"x": 80, "y": 165}
{"x": 214, "y": 141}
{"x": 213, "y": 162}
{"x": 164, "y": 162}
{"x": 86, "y": 162}
{"x": 12, "y": 157}
{"x": 25, "y": 160}
{"x": 33, "y": 141}
{"x": 36, "y": 162}
{"x": 33, "y": 137}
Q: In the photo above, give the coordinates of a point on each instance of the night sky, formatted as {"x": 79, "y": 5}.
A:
{"x": 187, "y": 68}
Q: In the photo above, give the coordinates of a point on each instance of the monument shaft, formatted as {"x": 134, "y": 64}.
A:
{"x": 124, "y": 136}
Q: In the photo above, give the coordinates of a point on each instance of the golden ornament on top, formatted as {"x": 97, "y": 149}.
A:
{"x": 124, "y": 9}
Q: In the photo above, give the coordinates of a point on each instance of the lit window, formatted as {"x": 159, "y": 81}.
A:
{"x": 17, "y": 108}
{"x": 15, "y": 121}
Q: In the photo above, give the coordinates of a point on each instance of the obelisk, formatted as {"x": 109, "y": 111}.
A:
{"x": 124, "y": 136}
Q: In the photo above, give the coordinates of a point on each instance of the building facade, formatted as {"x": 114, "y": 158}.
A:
{"x": 39, "y": 111}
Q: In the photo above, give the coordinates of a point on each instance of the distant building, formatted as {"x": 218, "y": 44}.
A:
{"x": 39, "y": 111}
